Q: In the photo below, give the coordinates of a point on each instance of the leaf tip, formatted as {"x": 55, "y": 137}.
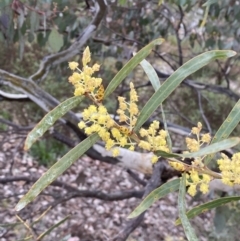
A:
{"x": 177, "y": 222}
{"x": 160, "y": 41}
{"x": 26, "y": 147}
{"x": 130, "y": 216}
{"x": 231, "y": 53}
{"x": 20, "y": 205}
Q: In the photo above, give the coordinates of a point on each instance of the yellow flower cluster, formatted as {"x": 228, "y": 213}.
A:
{"x": 83, "y": 80}
{"x": 100, "y": 119}
{"x": 128, "y": 111}
{"x": 97, "y": 120}
{"x": 193, "y": 180}
{"x": 193, "y": 144}
{"x": 155, "y": 140}
{"x": 230, "y": 169}
{"x": 177, "y": 166}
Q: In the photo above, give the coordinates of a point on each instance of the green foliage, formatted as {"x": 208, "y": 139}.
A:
{"x": 5, "y": 115}
{"x": 47, "y": 151}
{"x": 226, "y": 220}
{"x": 208, "y": 206}
{"x": 132, "y": 63}
{"x": 55, "y": 40}
{"x": 26, "y": 229}
{"x": 215, "y": 147}
{"x": 189, "y": 231}
{"x": 53, "y": 227}
{"x": 50, "y": 119}
{"x": 56, "y": 170}
{"x": 227, "y": 126}
{"x": 154, "y": 196}
{"x": 175, "y": 79}
{"x": 164, "y": 91}
{"x": 153, "y": 77}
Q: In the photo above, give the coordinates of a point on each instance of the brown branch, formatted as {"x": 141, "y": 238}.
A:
{"x": 223, "y": 70}
{"x": 212, "y": 88}
{"x": 136, "y": 177}
{"x": 202, "y": 112}
{"x": 15, "y": 126}
{"x": 44, "y": 100}
{"x": 74, "y": 192}
{"x": 209, "y": 87}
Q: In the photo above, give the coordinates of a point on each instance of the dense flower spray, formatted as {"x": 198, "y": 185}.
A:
{"x": 96, "y": 119}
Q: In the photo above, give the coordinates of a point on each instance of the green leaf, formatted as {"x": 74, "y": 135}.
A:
{"x": 151, "y": 73}
{"x": 209, "y": 3}
{"x": 122, "y": 2}
{"x": 50, "y": 118}
{"x": 130, "y": 65}
{"x": 153, "y": 77}
{"x": 155, "y": 195}
{"x": 227, "y": 127}
{"x": 34, "y": 21}
{"x": 11, "y": 225}
{"x": 188, "y": 230}
{"x": 20, "y": 17}
{"x": 3, "y": 4}
{"x": 56, "y": 170}
{"x": 213, "y": 148}
{"x": 55, "y": 40}
{"x": 30, "y": 37}
{"x": 21, "y": 41}
{"x": 208, "y": 206}
{"x": 182, "y": 2}
{"x": 167, "y": 155}
{"x": 41, "y": 236}
{"x": 176, "y": 78}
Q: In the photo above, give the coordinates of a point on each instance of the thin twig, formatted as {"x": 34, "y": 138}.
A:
{"x": 136, "y": 177}
{"x": 224, "y": 74}
{"x": 74, "y": 192}
{"x": 202, "y": 113}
